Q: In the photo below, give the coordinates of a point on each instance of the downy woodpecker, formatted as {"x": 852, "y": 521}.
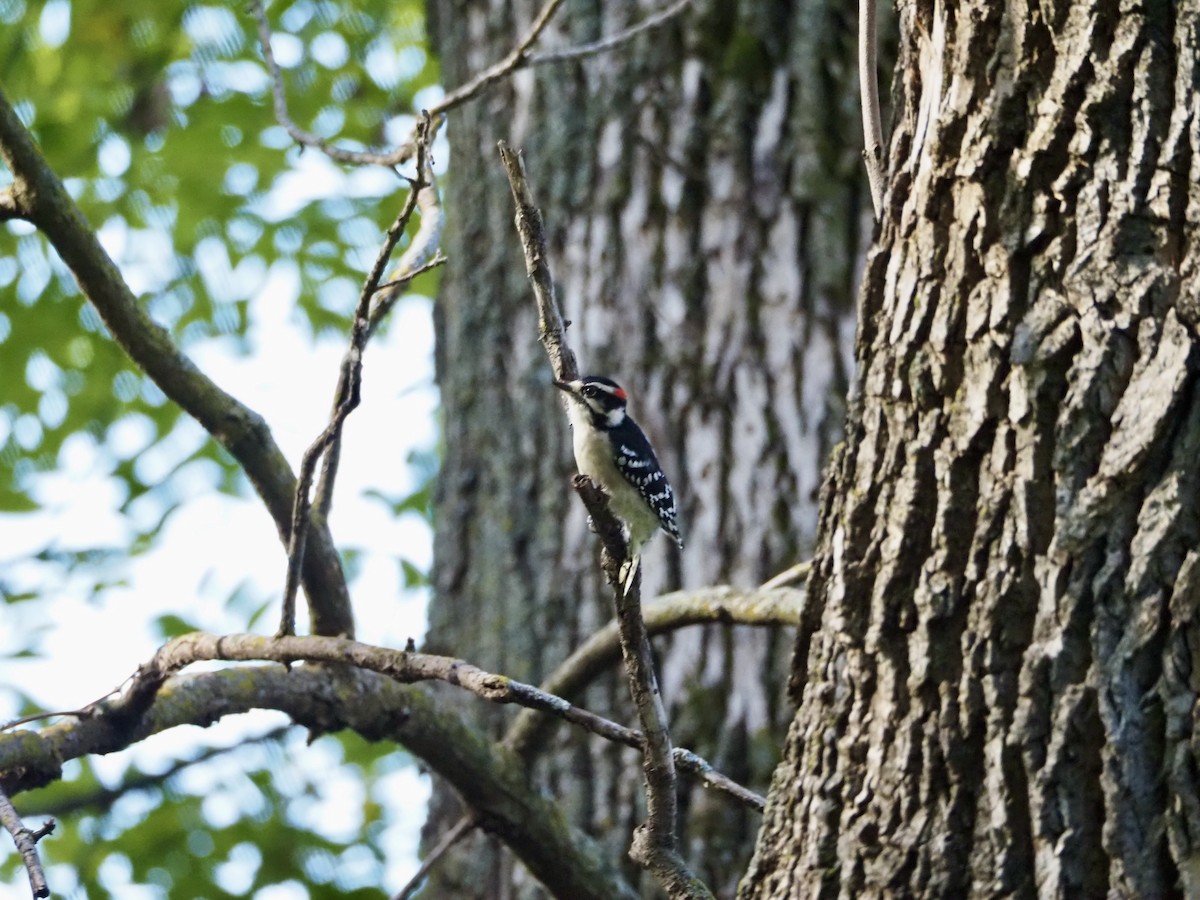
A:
{"x": 612, "y": 450}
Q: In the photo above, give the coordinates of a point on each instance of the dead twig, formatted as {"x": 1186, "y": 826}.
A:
{"x": 792, "y": 575}
{"x": 348, "y": 391}
{"x": 26, "y": 842}
{"x": 552, "y": 330}
{"x": 457, "y": 832}
{"x": 519, "y": 57}
{"x": 389, "y": 158}
{"x": 515, "y": 59}
{"x": 611, "y": 42}
{"x": 422, "y": 253}
{"x": 53, "y": 714}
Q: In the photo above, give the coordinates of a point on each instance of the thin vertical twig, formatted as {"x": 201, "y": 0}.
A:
{"x": 654, "y": 846}
{"x": 421, "y": 255}
{"x": 457, "y": 832}
{"x": 26, "y": 842}
{"x": 868, "y": 85}
{"x": 348, "y": 391}
{"x": 552, "y": 331}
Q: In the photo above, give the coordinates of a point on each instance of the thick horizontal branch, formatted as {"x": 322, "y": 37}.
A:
{"x": 764, "y": 607}
{"x": 324, "y": 699}
{"x": 240, "y": 430}
{"x": 400, "y": 665}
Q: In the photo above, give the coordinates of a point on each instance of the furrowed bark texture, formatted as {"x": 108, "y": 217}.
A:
{"x": 997, "y": 676}
{"x": 703, "y": 198}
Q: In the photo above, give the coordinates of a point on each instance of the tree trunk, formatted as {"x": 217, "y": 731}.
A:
{"x": 995, "y": 682}
{"x": 702, "y": 193}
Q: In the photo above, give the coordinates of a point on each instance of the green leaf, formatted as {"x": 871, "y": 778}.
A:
{"x": 172, "y": 626}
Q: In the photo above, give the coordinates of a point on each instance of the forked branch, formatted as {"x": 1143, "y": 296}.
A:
{"x": 401, "y": 665}
{"x": 26, "y": 842}
{"x": 519, "y": 57}
{"x": 769, "y": 606}
{"x": 349, "y": 387}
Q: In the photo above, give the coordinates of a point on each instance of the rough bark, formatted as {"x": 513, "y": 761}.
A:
{"x": 996, "y": 675}
{"x": 702, "y": 193}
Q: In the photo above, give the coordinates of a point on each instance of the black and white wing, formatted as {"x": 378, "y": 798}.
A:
{"x": 636, "y": 461}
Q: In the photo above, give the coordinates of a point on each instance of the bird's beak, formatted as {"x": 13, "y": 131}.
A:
{"x": 568, "y": 386}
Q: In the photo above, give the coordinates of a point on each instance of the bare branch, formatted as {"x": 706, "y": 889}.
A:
{"x": 766, "y": 607}
{"x": 386, "y": 296}
{"x": 398, "y": 282}
{"x": 401, "y": 665}
{"x": 34, "y": 717}
{"x": 26, "y": 842}
{"x": 868, "y": 84}
{"x": 422, "y": 252}
{"x": 388, "y": 158}
{"x": 792, "y": 575}
{"x": 347, "y": 393}
{"x": 457, "y": 832}
{"x": 517, "y": 58}
{"x": 701, "y": 770}
{"x": 655, "y": 847}
{"x": 654, "y": 844}
{"x": 329, "y": 698}
{"x": 239, "y": 429}
{"x": 612, "y": 41}
{"x": 552, "y": 331}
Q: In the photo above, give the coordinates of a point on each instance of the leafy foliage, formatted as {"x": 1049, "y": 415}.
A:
{"x": 159, "y": 117}
{"x": 226, "y": 823}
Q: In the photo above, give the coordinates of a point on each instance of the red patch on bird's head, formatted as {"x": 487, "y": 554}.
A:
{"x": 619, "y": 393}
